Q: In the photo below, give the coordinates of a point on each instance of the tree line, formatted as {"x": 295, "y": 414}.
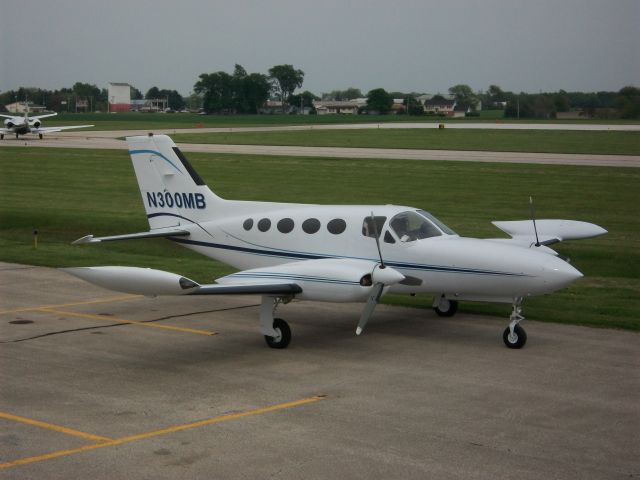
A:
{"x": 246, "y": 93}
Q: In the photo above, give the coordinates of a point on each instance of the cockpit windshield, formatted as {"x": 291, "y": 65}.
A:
{"x": 438, "y": 223}
{"x": 410, "y": 226}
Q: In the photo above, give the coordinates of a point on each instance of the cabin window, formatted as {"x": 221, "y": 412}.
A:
{"x": 409, "y": 227}
{"x": 264, "y": 224}
{"x": 285, "y": 225}
{"x": 388, "y": 238}
{"x": 311, "y": 225}
{"x": 371, "y": 229}
{"x": 336, "y": 226}
{"x": 248, "y": 224}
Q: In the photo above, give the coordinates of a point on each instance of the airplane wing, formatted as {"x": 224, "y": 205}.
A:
{"x": 7, "y": 116}
{"x": 549, "y": 231}
{"x": 44, "y": 116}
{"x": 57, "y": 129}
{"x": 328, "y": 279}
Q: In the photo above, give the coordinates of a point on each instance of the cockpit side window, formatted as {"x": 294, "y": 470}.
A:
{"x": 369, "y": 228}
{"x": 409, "y": 226}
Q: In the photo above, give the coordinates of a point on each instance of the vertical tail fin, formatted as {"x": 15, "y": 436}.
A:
{"x": 172, "y": 191}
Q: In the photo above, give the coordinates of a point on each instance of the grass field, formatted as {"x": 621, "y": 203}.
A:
{"x": 66, "y": 194}
{"x": 538, "y": 141}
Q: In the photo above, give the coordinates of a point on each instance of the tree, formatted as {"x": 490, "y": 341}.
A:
{"x": 285, "y": 80}
{"x": 343, "y": 95}
{"x": 136, "y": 94}
{"x": 464, "y": 96}
{"x": 152, "y": 93}
{"x": 249, "y": 91}
{"x": 305, "y": 99}
{"x": 628, "y": 102}
{"x": 413, "y": 105}
{"x": 379, "y": 100}
{"x": 255, "y": 88}
{"x": 217, "y": 91}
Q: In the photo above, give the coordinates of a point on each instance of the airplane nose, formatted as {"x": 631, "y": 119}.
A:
{"x": 559, "y": 274}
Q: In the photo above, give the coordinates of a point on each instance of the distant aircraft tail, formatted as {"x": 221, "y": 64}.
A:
{"x": 172, "y": 191}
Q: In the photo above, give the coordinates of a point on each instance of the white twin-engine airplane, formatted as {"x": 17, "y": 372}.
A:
{"x": 337, "y": 253}
{"x": 26, "y": 124}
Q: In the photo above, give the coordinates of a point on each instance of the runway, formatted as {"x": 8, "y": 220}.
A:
{"x": 113, "y": 140}
{"x": 102, "y": 385}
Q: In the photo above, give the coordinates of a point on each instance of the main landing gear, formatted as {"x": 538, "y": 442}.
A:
{"x": 276, "y": 331}
{"x": 445, "y": 307}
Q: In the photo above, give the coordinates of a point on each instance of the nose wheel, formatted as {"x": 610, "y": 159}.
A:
{"x": 514, "y": 335}
{"x": 515, "y": 339}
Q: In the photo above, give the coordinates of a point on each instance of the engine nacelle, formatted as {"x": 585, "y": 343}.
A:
{"x": 9, "y": 124}
{"x": 323, "y": 280}
{"x": 139, "y": 281}
{"x": 37, "y": 124}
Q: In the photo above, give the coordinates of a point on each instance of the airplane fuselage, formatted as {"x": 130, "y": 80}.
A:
{"x": 330, "y": 253}
{"x": 264, "y": 235}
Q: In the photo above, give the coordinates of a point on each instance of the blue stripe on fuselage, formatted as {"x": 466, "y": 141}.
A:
{"x": 312, "y": 256}
{"x": 155, "y": 152}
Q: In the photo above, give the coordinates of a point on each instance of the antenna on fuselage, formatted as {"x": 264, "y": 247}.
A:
{"x": 533, "y": 218}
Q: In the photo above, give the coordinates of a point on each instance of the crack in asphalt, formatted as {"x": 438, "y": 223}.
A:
{"x": 118, "y": 324}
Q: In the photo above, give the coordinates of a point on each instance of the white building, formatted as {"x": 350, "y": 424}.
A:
{"x": 119, "y": 97}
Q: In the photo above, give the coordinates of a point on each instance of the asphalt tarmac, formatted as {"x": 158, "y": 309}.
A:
{"x": 100, "y": 385}
{"x": 114, "y": 140}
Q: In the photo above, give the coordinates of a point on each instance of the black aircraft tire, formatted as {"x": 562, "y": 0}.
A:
{"x": 285, "y": 334}
{"x": 519, "y": 340}
{"x": 449, "y": 312}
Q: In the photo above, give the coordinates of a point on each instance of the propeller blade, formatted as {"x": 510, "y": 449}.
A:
{"x": 377, "y": 236}
{"x": 372, "y": 301}
{"x": 533, "y": 217}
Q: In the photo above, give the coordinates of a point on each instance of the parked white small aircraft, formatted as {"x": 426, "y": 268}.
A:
{"x": 332, "y": 253}
{"x": 26, "y": 124}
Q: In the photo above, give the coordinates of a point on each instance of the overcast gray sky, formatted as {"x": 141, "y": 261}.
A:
{"x": 400, "y": 45}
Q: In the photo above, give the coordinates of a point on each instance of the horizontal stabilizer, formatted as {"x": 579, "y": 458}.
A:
{"x": 173, "y": 232}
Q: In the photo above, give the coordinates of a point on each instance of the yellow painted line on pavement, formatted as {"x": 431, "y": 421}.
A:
{"x": 104, "y": 318}
{"x": 86, "y": 302}
{"x": 222, "y": 418}
{"x": 55, "y": 428}
{"x": 164, "y": 431}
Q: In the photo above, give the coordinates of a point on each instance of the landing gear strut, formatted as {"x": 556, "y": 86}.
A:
{"x": 514, "y": 335}
{"x": 276, "y": 331}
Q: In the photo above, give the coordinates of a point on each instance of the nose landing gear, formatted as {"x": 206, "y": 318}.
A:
{"x": 514, "y": 335}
